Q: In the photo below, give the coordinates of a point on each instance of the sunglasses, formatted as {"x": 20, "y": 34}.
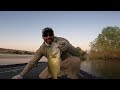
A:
{"x": 45, "y": 35}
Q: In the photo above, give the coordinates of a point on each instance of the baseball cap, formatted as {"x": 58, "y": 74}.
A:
{"x": 47, "y": 29}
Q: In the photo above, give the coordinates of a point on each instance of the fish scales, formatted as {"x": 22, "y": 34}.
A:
{"x": 54, "y": 61}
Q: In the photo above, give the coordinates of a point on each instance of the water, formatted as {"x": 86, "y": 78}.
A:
{"x": 108, "y": 69}
{"x": 17, "y": 59}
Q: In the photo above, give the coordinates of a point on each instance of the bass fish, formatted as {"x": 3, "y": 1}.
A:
{"x": 54, "y": 61}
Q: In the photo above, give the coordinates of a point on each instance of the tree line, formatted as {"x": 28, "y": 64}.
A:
{"x": 106, "y": 45}
{"x": 12, "y": 51}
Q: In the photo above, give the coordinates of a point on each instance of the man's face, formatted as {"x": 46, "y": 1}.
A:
{"x": 48, "y": 37}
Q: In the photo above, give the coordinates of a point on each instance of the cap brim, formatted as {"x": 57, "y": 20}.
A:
{"x": 46, "y": 31}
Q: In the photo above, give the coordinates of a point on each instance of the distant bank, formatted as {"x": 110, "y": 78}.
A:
{"x": 13, "y": 51}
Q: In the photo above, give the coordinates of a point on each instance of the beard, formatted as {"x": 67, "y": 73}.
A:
{"x": 49, "y": 41}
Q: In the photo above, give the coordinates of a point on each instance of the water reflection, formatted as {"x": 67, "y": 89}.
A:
{"x": 109, "y": 69}
{"x": 17, "y": 59}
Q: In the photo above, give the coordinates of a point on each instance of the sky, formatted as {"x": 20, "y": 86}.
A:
{"x": 22, "y": 30}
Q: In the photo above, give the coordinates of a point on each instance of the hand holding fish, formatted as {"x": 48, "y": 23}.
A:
{"x": 62, "y": 45}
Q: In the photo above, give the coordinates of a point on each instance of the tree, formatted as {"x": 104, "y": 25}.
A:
{"x": 108, "y": 41}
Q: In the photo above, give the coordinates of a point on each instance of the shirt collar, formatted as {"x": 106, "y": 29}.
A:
{"x": 47, "y": 44}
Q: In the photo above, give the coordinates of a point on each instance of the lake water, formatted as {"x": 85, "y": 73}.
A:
{"x": 108, "y": 69}
{"x": 17, "y": 59}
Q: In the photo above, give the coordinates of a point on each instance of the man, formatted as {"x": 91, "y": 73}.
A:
{"x": 69, "y": 54}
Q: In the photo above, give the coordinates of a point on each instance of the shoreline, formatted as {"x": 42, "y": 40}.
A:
{"x": 15, "y": 54}
{"x": 10, "y": 56}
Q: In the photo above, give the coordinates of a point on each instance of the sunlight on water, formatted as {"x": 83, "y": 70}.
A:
{"x": 17, "y": 59}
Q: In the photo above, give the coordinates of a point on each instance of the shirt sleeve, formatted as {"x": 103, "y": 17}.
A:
{"x": 64, "y": 45}
{"x": 73, "y": 51}
{"x": 32, "y": 62}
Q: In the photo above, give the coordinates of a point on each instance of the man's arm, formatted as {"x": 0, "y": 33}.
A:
{"x": 73, "y": 51}
{"x": 30, "y": 64}
{"x": 64, "y": 45}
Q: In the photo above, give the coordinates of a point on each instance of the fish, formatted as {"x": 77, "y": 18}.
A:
{"x": 54, "y": 61}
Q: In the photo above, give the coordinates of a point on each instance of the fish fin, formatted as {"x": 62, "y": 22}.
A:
{"x": 52, "y": 56}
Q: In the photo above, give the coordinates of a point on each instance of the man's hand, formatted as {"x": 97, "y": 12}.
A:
{"x": 62, "y": 45}
{"x": 17, "y": 77}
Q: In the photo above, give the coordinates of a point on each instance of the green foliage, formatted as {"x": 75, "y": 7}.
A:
{"x": 107, "y": 42}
